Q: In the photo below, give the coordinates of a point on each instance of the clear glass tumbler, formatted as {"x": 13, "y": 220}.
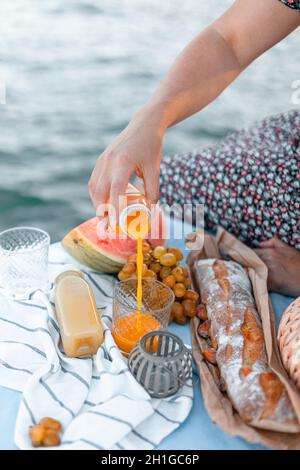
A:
{"x": 23, "y": 260}
{"x": 129, "y": 325}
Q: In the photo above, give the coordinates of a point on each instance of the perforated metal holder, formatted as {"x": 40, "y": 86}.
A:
{"x": 161, "y": 363}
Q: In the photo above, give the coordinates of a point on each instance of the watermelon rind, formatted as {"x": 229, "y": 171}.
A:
{"x": 89, "y": 255}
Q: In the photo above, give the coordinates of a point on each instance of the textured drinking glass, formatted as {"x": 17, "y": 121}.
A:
{"x": 129, "y": 325}
{"x": 23, "y": 260}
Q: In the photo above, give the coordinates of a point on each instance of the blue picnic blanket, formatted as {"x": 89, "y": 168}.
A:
{"x": 197, "y": 432}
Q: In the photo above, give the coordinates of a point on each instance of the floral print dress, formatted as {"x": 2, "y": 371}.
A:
{"x": 249, "y": 183}
{"x": 295, "y": 4}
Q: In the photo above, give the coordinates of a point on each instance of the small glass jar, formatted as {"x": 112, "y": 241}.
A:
{"x": 135, "y": 215}
{"x": 130, "y": 324}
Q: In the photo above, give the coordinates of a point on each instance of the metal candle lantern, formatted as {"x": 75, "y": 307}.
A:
{"x": 161, "y": 363}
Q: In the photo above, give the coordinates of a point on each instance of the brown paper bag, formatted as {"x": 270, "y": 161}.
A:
{"x": 219, "y": 407}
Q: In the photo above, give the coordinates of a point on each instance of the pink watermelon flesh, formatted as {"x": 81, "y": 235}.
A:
{"x": 109, "y": 242}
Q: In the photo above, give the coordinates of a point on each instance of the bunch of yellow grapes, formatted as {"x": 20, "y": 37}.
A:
{"x": 163, "y": 264}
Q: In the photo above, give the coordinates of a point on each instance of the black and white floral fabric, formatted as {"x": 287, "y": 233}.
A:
{"x": 249, "y": 182}
{"x": 295, "y": 4}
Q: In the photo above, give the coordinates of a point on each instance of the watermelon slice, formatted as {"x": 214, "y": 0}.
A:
{"x": 102, "y": 250}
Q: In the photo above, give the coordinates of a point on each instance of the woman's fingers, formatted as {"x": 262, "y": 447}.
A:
{"x": 119, "y": 183}
{"x": 98, "y": 186}
{"x": 101, "y": 196}
{"x": 283, "y": 263}
{"x": 266, "y": 254}
{"x": 139, "y": 173}
{"x": 151, "y": 180}
{"x": 271, "y": 243}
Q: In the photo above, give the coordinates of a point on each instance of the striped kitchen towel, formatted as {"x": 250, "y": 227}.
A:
{"x": 97, "y": 400}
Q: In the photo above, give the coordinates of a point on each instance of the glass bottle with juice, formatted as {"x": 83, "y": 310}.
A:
{"x": 77, "y": 315}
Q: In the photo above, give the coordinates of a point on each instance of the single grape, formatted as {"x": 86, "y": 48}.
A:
{"x": 158, "y": 252}
{"x": 177, "y": 309}
{"x": 155, "y": 266}
{"x": 123, "y": 276}
{"x": 187, "y": 282}
{"x": 179, "y": 290}
{"x": 37, "y": 434}
{"x": 150, "y": 274}
{"x": 51, "y": 439}
{"x": 147, "y": 258}
{"x": 176, "y": 251}
{"x": 189, "y": 307}
{"x": 50, "y": 423}
{"x": 170, "y": 281}
{"x": 165, "y": 271}
{"x": 178, "y": 273}
{"x": 168, "y": 259}
{"x": 129, "y": 268}
{"x": 178, "y": 313}
{"x": 192, "y": 295}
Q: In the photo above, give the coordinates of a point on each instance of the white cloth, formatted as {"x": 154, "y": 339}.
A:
{"x": 97, "y": 400}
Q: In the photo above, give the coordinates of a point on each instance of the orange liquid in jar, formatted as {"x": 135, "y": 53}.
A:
{"x": 129, "y": 329}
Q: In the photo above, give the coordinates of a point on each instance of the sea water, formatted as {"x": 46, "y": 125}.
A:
{"x": 76, "y": 71}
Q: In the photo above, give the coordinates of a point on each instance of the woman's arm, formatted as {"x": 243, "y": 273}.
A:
{"x": 201, "y": 72}
{"x": 219, "y": 54}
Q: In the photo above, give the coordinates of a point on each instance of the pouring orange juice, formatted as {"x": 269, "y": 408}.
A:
{"x": 135, "y": 221}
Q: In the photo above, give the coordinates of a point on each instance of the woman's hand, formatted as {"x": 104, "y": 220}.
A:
{"x": 200, "y": 73}
{"x": 138, "y": 149}
{"x": 283, "y": 263}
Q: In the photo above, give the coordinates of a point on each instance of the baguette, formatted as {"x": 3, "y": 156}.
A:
{"x": 236, "y": 336}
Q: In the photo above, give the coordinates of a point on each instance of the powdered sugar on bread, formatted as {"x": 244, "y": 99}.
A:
{"x": 236, "y": 333}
